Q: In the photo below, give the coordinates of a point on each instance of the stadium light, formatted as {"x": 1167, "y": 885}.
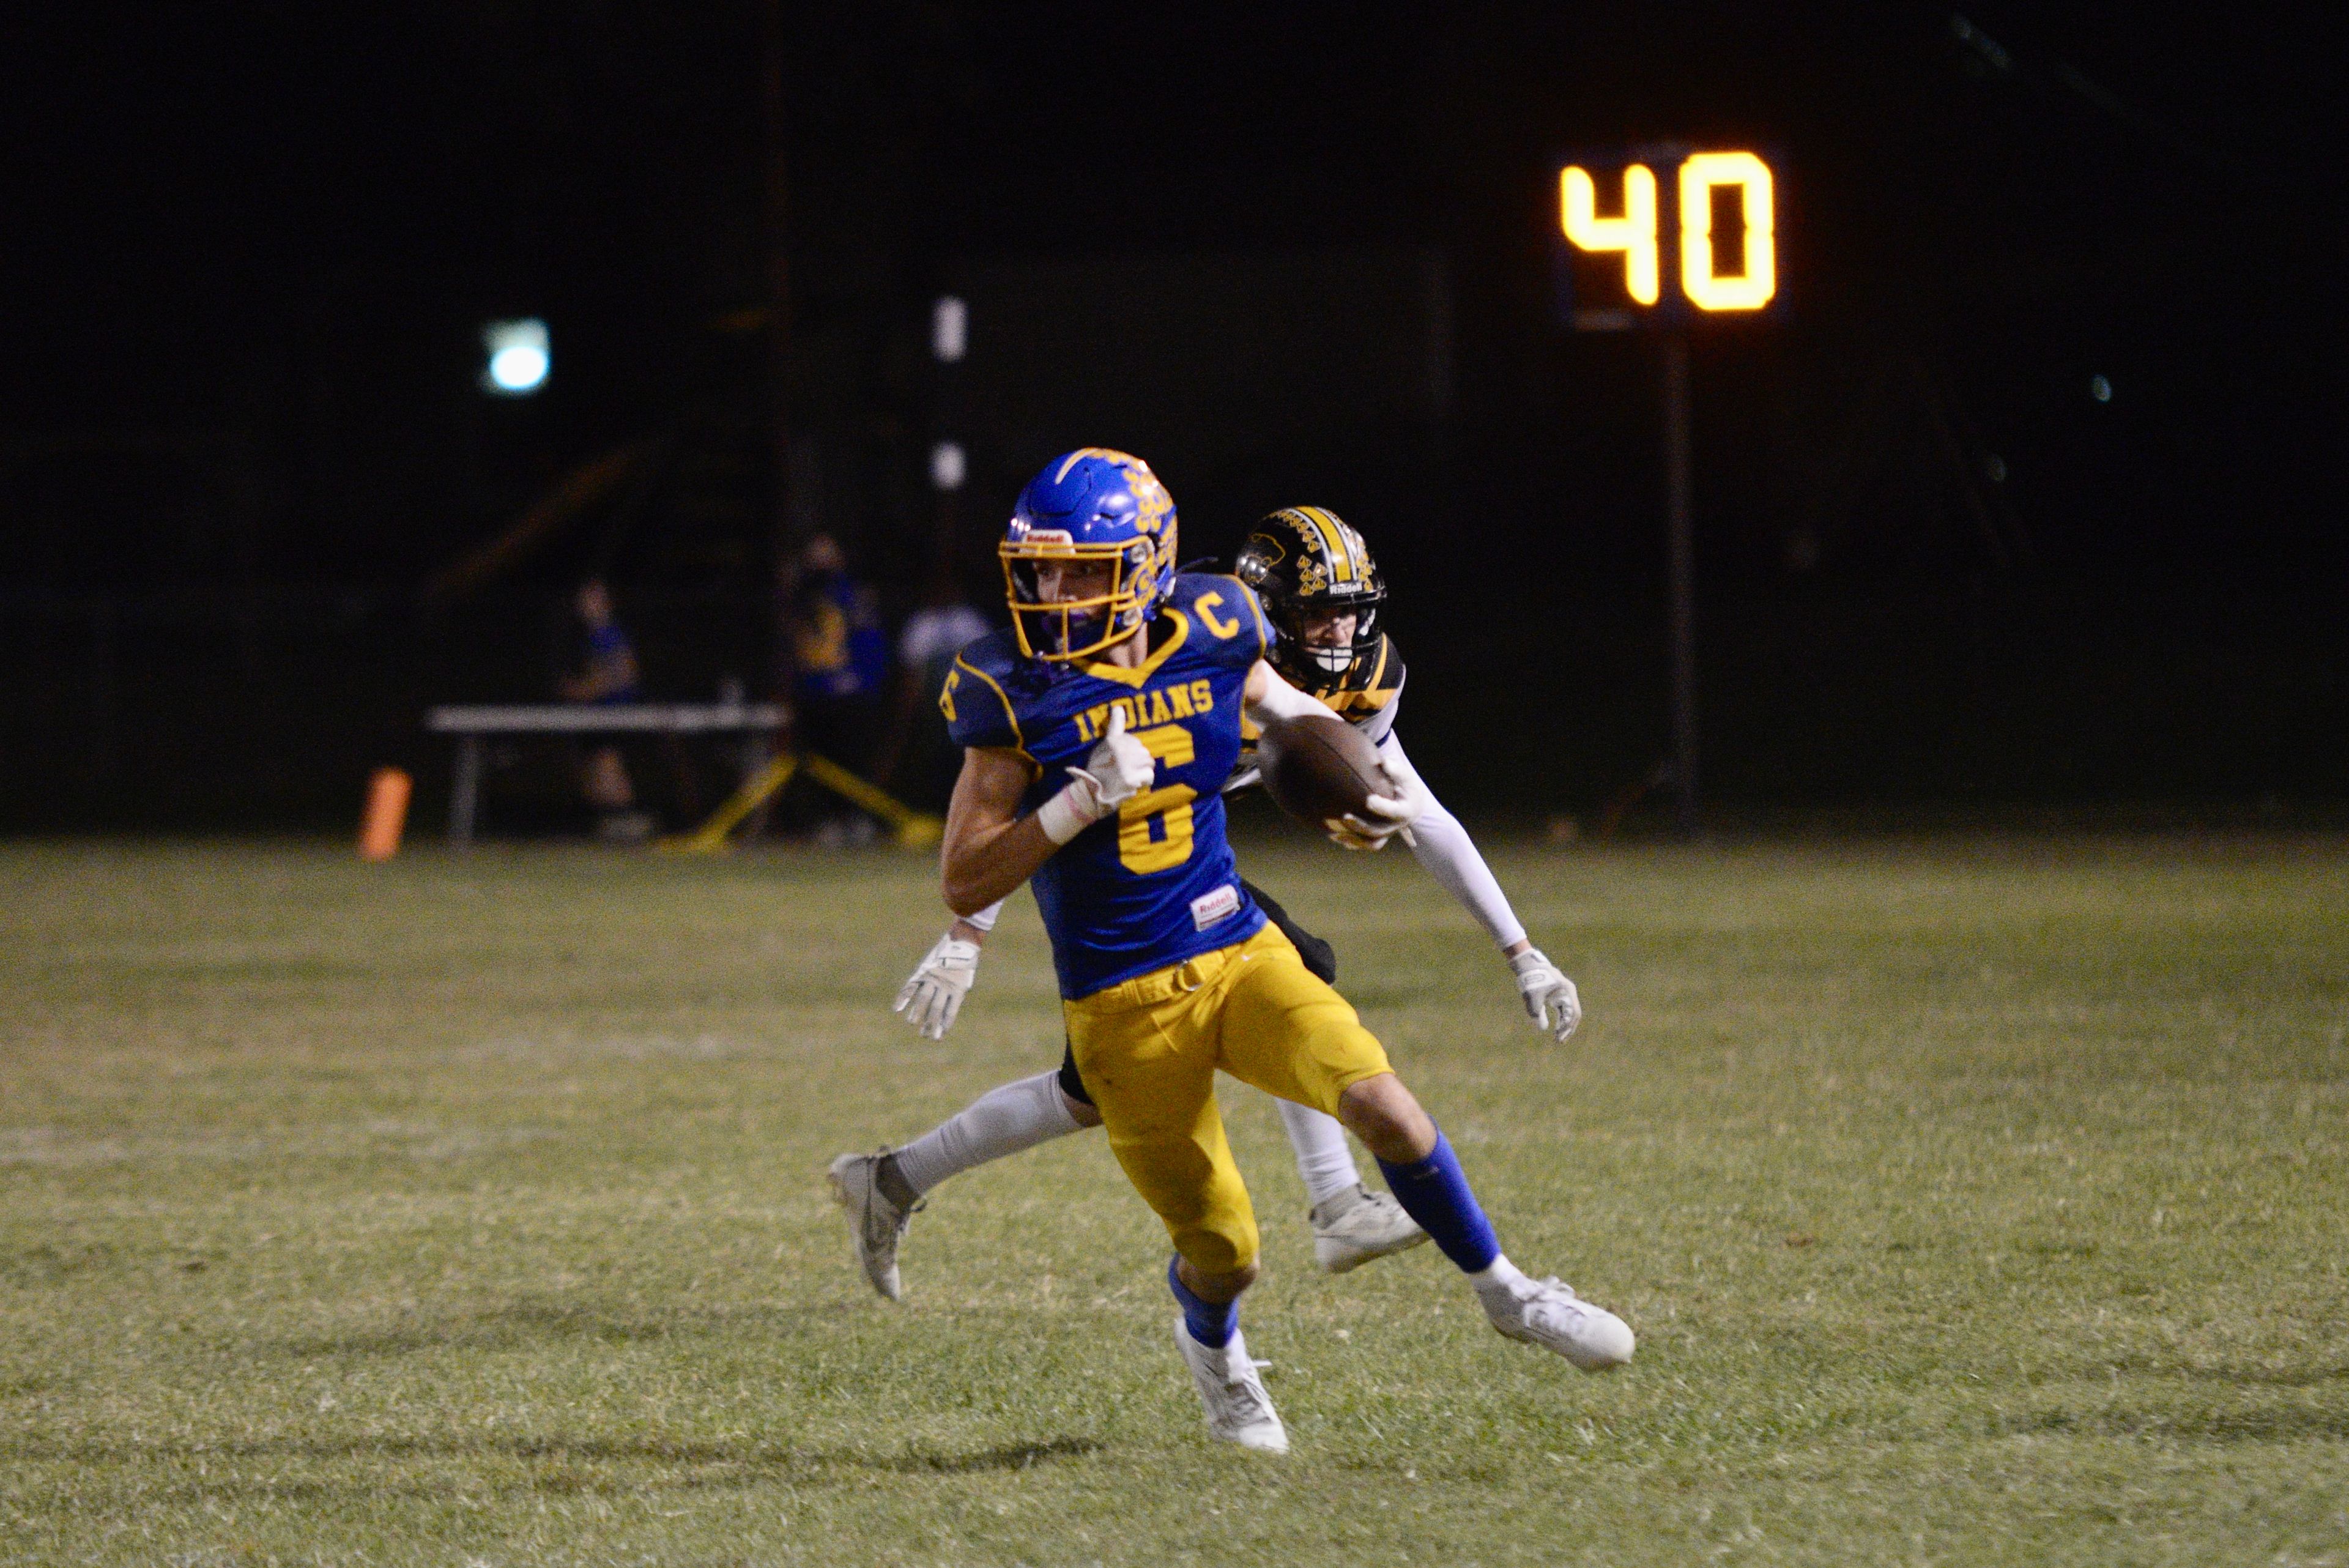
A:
{"x": 519, "y": 359}
{"x": 947, "y": 465}
{"x": 949, "y": 329}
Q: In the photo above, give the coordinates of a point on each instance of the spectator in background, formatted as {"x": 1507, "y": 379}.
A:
{"x": 607, "y": 675}
{"x": 920, "y": 759}
{"x": 841, "y": 659}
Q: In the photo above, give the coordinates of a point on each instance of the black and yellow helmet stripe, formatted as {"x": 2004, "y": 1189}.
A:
{"x": 1333, "y": 544}
{"x": 1341, "y": 550}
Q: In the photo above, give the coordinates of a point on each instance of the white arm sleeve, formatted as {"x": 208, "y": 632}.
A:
{"x": 1450, "y": 855}
{"x": 1282, "y": 701}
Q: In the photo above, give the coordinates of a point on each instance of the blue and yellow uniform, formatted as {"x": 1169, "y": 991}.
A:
{"x": 1167, "y": 968}
{"x": 1156, "y": 884}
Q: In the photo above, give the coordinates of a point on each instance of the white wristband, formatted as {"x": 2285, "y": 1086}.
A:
{"x": 985, "y": 919}
{"x": 1062, "y": 819}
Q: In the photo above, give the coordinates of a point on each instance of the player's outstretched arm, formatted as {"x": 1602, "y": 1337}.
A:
{"x": 1268, "y": 695}
{"x": 1443, "y": 846}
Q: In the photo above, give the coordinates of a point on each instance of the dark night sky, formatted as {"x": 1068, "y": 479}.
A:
{"x": 248, "y": 250}
{"x": 289, "y": 220}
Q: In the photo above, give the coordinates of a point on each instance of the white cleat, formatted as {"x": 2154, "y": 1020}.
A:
{"x": 1238, "y": 1409}
{"x": 878, "y": 1222}
{"x": 1548, "y": 1314}
{"x": 1352, "y": 1228}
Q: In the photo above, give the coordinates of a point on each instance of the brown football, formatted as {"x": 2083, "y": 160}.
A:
{"x": 1317, "y": 767}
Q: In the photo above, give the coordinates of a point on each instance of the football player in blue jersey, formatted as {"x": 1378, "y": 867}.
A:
{"x": 1322, "y": 590}
{"x": 1097, "y": 732}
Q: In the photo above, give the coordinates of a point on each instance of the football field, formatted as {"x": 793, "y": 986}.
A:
{"x": 1976, "y": 1200}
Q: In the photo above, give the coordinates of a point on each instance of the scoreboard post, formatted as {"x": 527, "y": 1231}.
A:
{"x": 1685, "y": 237}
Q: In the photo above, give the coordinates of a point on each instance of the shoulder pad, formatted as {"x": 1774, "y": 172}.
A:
{"x": 1226, "y": 610}
{"x": 1377, "y": 672}
{"x": 1368, "y": 690}
{"x": 983, "y": 692}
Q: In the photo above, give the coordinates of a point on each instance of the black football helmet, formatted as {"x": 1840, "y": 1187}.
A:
{"x": 1304, "y": 560}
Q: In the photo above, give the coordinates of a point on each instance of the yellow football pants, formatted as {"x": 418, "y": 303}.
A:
{"x": 1148, "y": 1049}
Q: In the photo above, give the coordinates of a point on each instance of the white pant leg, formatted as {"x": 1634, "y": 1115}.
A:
{"x": 1002, "y": 1121}
{"x": 1323, "y": 1157}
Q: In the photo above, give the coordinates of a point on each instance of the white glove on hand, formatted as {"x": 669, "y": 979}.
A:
{"x": 1549, "y": 997}
{"x": 933, "y": 994}
{"x": 1391, "y": 814}
{"x": 1120, "y": 768}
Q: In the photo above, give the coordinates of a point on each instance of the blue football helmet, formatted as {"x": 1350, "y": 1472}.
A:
{"x": 1088, "y": 509}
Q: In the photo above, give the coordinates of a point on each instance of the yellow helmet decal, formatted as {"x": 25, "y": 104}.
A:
{"x": 1345, "y": 564}
{"x": 1151, "y": 500}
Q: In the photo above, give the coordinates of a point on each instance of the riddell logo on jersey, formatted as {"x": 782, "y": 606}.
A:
{"x": 1212, "y": 908}
{"x": 1164, "y": 705}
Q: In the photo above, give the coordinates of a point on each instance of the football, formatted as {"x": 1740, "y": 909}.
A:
{"x": 1317, "y": 767}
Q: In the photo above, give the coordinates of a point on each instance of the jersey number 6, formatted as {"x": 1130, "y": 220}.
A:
{"x": 1153, "y": 828}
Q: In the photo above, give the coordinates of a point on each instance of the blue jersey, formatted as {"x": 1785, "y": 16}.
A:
{"x": 842, "y": 650}
{"x": 1155, "y": 884}
{"x": 610, "y": 654}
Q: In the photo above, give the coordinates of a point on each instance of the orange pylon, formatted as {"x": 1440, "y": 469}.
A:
{"x": 387, "y": 813}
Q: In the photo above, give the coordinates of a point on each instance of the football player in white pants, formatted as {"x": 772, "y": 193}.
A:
{"x": 1318, "y": 582}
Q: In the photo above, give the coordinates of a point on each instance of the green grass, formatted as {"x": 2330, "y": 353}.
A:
{"x": 1976, "y": 1200}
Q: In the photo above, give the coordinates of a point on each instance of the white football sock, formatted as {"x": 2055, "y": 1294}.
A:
{"x": 1496, "y": 1276}
{"x": 1004, "y": 1120}
{"x": 1322, "y": 1157}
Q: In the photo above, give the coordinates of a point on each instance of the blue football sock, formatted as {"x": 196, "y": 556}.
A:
{"x": 1435, "y": 1193}
{"x": 1210, "y": 1324}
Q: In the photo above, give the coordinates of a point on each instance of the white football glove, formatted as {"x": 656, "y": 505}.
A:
{"x": 933, "y": 994}
{"x": 1390, "y": 813}
{"x": 1120, "y": 768}
{"x": 1549, "y": 997}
